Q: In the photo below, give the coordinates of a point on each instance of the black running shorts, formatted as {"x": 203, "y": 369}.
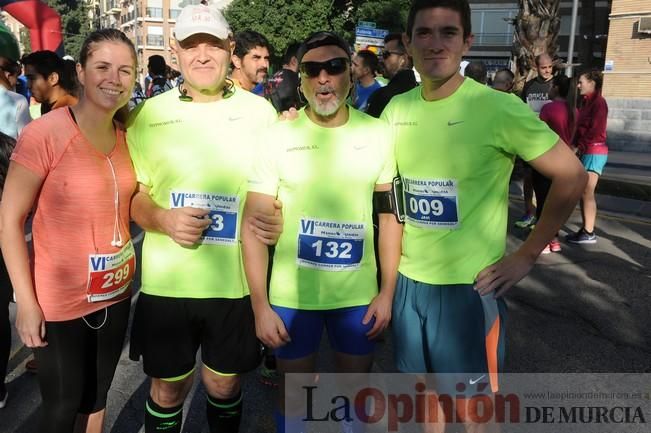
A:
{"x": 167, "y": 332}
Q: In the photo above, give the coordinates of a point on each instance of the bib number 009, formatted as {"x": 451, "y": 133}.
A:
{"x": 116, "y": 277}
{"x": 333, "y": 249}
{"x": 425, "y": 206}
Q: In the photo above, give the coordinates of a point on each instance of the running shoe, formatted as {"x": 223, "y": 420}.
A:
{"x": 582, "y": 237}
{"x": 3, "y": 399}
{"x": 526, "y": 221}
{"x": 554, "y": 246}
{"x": 546, "y": 250}
{"x": 269, "y": 377}
{"x": 31, "y": 366}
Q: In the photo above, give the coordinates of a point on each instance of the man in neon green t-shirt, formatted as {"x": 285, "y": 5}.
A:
{"x": 324, "y": 166}
{"x": 192, "y": 150}
{"x": 455, "y": 144}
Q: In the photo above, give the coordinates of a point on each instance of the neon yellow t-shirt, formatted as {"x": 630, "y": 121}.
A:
{"x": 325, "y": 178}
{"x": 455, "y": 156}
{"x": 198, "y": 155}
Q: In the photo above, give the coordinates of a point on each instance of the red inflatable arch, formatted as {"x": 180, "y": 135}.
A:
{"x": 43, "y": 22}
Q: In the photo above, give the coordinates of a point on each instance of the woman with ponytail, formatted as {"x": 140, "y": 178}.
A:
{"x": 590, "y": 140}
{"x": 72, "y": 166}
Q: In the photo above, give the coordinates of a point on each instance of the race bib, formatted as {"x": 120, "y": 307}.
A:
{"x": 330, "y": 245}
{"x": 432, "y": 203}
{"x": 109, "y": 275}
{"x": 223, "y": 213}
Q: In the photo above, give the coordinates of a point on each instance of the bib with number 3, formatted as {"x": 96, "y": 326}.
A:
{"x": 109, "y": 275}
{"x": 223, "y": 213}
{"x": 330, "y": 245}
{"x": 431, "y": 203}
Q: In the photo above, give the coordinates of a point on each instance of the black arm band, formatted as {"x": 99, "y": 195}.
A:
{"x": 383, "y": 202}
{"x": 390, "y": 201}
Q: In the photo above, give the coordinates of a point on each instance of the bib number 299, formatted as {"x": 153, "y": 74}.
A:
{"x": 115, "y": 278}
{"x": 333, "y": 249}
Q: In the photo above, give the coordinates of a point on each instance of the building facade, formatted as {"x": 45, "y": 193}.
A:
{"x": 491, "y": 24}
{"x": 15, "y": 26}
{"x": 627, "y": 75}
{"x": 148, "y": 23}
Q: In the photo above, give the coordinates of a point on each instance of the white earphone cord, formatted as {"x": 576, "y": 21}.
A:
{"x": 117, "y": 240}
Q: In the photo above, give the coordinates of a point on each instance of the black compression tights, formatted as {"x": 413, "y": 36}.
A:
{"x": 76, "y": 368}
{"x": 5, "y": 342}
{"x": 5, "y": 325}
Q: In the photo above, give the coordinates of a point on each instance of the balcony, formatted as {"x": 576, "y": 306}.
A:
{"x": 113, "y": 7}
{"x": 127, "y": 18}
{"x": 155, "y": 41}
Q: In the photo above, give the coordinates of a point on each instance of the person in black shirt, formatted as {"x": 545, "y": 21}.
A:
{"x": 397, "y": 68}
{"x": 282, "y": 88}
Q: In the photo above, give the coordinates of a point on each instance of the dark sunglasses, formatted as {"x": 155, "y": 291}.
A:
{"x": 387, "y": 54}
{"x": 334, "y": 66}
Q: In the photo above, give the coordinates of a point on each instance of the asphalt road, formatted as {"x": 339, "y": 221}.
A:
{"x": 585, "y": 309}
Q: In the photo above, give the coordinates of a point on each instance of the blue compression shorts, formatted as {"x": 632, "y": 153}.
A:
{"x": 346, "y": 332}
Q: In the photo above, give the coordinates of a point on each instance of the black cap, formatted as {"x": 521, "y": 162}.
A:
{"x": 321, "y": 39}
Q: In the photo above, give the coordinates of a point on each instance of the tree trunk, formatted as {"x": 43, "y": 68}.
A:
{"x": 536, "y": 31}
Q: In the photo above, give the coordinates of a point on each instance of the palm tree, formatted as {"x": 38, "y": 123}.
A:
{"x": 536, "y": 31}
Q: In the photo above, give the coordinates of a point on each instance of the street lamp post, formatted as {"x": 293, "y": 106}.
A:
{"x": 570, "y": 49}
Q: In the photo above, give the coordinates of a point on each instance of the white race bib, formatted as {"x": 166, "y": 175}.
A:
{"x": 330, "y": 245}
{"x": 432, "y": 203}
{"x": 109, "y": 275}
{"x": 223, "y": 213}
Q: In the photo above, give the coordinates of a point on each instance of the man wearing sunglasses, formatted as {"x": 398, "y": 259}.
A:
{"x": 324, "y": 166}
{"x": 397, "y": 67}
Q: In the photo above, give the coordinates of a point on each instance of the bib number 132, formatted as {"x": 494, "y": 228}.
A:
{"x": 333, "y": 249}
{"x": 330, "y": 245}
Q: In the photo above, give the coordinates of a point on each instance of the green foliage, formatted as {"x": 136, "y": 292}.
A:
{"x": 75, "y": 23}
{"x": 387, "y": 14}
{"x": 25, "y": 40}
{"x": 287, "y": 21}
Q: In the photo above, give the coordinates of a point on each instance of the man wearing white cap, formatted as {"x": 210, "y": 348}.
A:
{"x": 192, "y": 152}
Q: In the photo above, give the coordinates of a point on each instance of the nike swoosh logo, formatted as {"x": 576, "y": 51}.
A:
{"x": 472, "y": 382}
{"x": 451, "y": 123}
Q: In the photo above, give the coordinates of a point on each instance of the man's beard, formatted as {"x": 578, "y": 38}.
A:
{"x": 326, "y": 108}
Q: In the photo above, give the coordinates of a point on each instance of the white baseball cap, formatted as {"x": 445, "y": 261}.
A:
{"x": 201, "y": 19}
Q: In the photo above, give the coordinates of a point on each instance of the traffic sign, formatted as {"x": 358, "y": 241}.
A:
{"x": 368, "y": 24}
{"x": 371, "y": 32}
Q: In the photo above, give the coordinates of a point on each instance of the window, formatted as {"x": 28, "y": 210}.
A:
{"x": 154, "y": 9}
{"x": 154, "y": 12}
{"x": 155, "y": 36}
{"x": 491, "y": 26}
{"x": 175, "y": 8}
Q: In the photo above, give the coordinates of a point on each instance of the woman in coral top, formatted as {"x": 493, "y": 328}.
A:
{"x": 72, "y": 166}
{"x": 590, "y": 140}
